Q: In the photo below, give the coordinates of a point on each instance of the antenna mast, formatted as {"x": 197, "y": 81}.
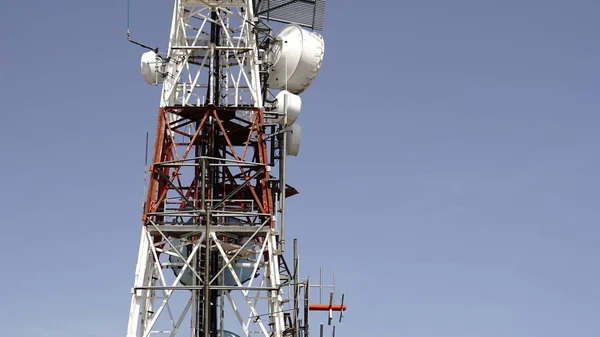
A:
{"x": 211, "y": 256}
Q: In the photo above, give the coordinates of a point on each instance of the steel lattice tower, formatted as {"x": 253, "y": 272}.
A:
{"x": 212, "y": 241}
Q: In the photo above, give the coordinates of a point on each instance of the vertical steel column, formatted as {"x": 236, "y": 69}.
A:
{"x": 296, "y": 288}
{"x": 283, "y": 155}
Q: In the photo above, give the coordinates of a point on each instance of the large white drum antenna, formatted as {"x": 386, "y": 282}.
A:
{"x": 295, "y": 57}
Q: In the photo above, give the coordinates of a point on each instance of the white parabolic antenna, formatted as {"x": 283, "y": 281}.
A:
{"x": 295, "y": 57}
{"x": 150, "y": 65}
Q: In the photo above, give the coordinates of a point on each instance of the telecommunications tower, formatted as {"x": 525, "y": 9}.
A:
{"x": 211, "y": 259}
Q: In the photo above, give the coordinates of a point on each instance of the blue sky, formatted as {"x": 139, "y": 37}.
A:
{"x": 448, "y": 171}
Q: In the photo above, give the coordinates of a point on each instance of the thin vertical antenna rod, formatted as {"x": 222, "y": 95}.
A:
{"x": 330, "y": 317}
{"x": 129, "y": 30}
{"x": 128, "y": 19}
{"x": 320, "y": 285}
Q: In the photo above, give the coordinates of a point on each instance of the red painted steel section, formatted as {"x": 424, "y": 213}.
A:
{"x": 166, "y": 149}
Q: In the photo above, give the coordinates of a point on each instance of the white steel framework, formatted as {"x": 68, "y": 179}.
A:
{"x": 210, "y": 213}
{"x": 197, "y": 60}
{"x": 210, "y": 256}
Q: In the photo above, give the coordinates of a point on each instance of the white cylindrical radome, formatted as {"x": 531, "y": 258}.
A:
{"x": 295, "y": 57}
{"x": 293, "y": 140}
{"x": 294, "y": 105}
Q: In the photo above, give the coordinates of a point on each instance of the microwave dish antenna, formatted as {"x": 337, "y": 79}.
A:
{"x": 288, "y": 104}
{"x": 295, "y": 57}
{"x": 152, "y": 67}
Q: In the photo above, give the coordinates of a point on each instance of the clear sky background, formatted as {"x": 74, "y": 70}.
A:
{"x": 448, "y": 171}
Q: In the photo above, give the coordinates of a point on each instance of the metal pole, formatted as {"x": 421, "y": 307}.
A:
{"x": 282, "y": 171}
{"x": 306, "y": 305}
{"x": 296, "y": 288}
{"x": 203, "y": 208}
{"x": 207, "y": 277}
{"x": 207, "y": 311}
{"x": 211, "y": 81}
{"x": 203, "y": 194}
{"x": 222, "y": 305}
